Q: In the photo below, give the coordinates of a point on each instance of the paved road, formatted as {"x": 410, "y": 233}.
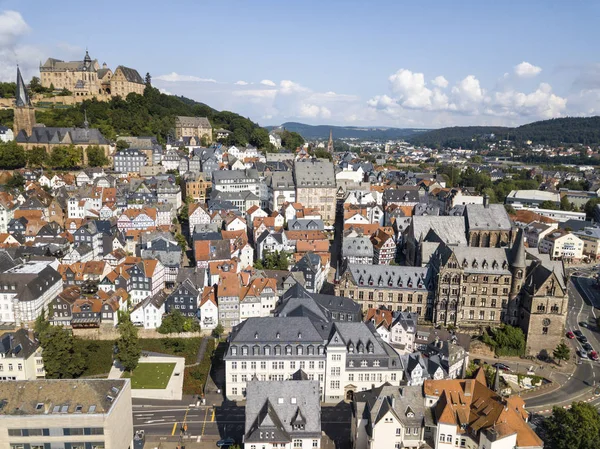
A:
{"x": 579, "y": 385}
{"x": 223, "y": 421}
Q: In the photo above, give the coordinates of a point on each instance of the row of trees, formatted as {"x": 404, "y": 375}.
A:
{"x": 64, "y": 358}
{"x": 13, "y": 156}
{"x": 175, "y": 322}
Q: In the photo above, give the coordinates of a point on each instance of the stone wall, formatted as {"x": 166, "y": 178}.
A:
{"x": 111, "y": 333}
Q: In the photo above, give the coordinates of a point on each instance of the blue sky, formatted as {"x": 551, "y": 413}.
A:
{"x": 393, "y": 63}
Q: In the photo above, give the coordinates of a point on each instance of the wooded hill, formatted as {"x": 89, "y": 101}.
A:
{"x": 559, "y": 131}
{"x": 152, "y": 114}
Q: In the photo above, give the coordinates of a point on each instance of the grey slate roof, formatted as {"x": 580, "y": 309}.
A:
{"x": 18, "y": 344}
{"x": 357, "y": 247}
{"x": 280, "y": 411}
{"x": 131, "y": 75}
{"x": 480, "y": 217}
{"x": 51, "y": 135}
{"x": 407, "y": 194}
{"x": 314, "y": 173}
{"x": 450, "y": 229}
{"x": 387, "y": 276}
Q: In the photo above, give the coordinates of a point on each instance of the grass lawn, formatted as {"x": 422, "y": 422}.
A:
{"x": 98, "y": 355}
{"x": 153, "y": 376}
{"x": 182, "y": 347}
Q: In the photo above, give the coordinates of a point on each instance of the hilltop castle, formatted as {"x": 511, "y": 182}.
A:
{"x": 86, "y": 79}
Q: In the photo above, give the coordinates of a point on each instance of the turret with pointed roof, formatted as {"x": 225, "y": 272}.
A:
{"x": 24, "y": 112}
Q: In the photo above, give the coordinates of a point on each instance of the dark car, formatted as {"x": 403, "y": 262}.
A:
{"x": 583, "y": 324}
{"x": 501, "y": 366}
{"x": 587, "y": 346}
{"x": 583, "y": 339}
{"x": 578, "y": 333}
{"x": 477, "y": 361}
{"x": 226, "y": 442}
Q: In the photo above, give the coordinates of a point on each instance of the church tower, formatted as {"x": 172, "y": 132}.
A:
{"x": 518, "y": 268}
{"x": 330, "y": 143}
{"x": 24, "y": 111}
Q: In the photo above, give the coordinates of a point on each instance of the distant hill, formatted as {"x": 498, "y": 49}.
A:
{"x": 310, "y": 132}
{"x": 559, "y": 131}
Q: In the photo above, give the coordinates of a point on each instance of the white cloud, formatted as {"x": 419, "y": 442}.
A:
{"x": 440, "y": 81}
{"x": 467, "y": 95}
{"x": 314, "y": 111}
{"x": 541, "y": 103}
{"x": 241, "y": 83}
{"x": 12, "y": 26}
{"x": 410, "y": 89}
{"x": 268, "y": 83}
{"x": 174, "y": 77}
{"x": 527, "y": 70}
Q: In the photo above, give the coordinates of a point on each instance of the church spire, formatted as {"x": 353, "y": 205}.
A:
{"x": 330, "y": 142}
{"x": 22, "y": 96}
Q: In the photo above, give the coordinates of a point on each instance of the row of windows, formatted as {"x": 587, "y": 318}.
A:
{"x": 64, "y": 431}
{"x": 288, "y": 350}
{"x": 278, "y": 365}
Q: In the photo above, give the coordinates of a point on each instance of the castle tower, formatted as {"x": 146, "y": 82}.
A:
{"x": 330, "y": 142}
{"x": 24, "y": 111}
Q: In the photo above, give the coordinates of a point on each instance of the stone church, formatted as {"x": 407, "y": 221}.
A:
{"x": 30, "y": 134}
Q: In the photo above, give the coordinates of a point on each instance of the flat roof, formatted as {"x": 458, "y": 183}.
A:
{"x": 538, "y": 195}
{"x": 32, "y": 267}
{"x": 59, "y": 397}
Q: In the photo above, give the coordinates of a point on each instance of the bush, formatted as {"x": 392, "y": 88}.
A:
{"x": 506, "y": 341}
{"x": 196, "y": 376}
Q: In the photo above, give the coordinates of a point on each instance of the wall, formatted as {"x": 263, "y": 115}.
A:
{"x": 110, "y": 333}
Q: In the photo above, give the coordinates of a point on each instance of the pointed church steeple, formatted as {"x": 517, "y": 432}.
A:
{"x": 22, "y": 96}
{"x": 330, "y": 142}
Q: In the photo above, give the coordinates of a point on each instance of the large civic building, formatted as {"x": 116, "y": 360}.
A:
{"x": 66, "y": 414}
{"x": 315, "y": 187}
{"x": 305, "y": 340}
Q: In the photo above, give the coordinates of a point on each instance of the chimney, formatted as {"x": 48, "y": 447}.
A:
{"x": 486, "y": 201}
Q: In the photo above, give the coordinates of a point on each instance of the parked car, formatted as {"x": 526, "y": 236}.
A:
{"x": 583, "y": 354}
{"x": 226, "y": 442}
{"x": 583, "y": 324}
{"x": 570, "y": 335}
{"x": 583, "y": 339}
{"x": 594, "y": 355}
{"x": 501, "y": 366}
{"x": 587, "y": 346}
{"x": 578, "y": 333}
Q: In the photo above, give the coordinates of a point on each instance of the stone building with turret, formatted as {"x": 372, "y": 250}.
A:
{"x": 86, "y": 78}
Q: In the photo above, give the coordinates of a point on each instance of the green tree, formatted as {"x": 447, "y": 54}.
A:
{"x": 66, "y": 157}
{"x": 37, "y": 157}
{"x": 35, "y": 86}
{"x": 204, "y": 141}
{"x": 181, "y": 241}
{"x": 148, "y": 80}
{"x": 575, "y": 428}
{"x": 96, "y": 156}
{"x": 291, "y": 140}
{"x": 565, "y": 203}
{"x": 16, "y": 181}
{"x": 259, "y": 138}
{"x": 128, "y": 345}
{"x": 590, "y": 206}
{"x": 218, "y": 331}
{"x": 477, "y": 159}
{"x": 12, "y": 155}
{"x": 562, "y": 352}
{"x": 322, "y": 153}
{"x": 122, "y": 145}
{"x": 548, "y": 205}
{"x": 506, "y": 341}
{"x": 61, "y": 359}
{"x": 8, "y": 90}
{"x": 509, "y": 209}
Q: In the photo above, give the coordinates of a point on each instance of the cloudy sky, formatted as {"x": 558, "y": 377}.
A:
{"x": 389, "y": 63}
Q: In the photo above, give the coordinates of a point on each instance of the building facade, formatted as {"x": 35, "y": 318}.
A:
{"x": 193, "y": 127}
{"x": 315, "y": 187}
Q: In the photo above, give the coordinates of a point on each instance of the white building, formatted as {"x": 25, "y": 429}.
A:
{"x": 21, "y": 356}
{"x": 90, "y": 413}
{"x": 344, "y": 357}
{"x": 27, "y": 289}
{"x": 6, "y": 134}
{"x": 561, "y": 244}
{"x": 149, "y": 312}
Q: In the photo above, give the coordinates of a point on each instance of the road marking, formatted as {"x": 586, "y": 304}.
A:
{"x": 174, "y": 427}
{"x": 204, "y": 424}
{"x": 213, "y": 416}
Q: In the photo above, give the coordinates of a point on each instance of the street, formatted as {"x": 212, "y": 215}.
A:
{"x": 579, "y": 385}
{"x": 208, "y": 423}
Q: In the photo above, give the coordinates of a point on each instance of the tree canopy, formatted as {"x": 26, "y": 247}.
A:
{"x": 96, "y": 156}
{"x": 61, "y": 358}
{"x": 175, "y": 322}
{"x": 575, "y": 428}
{"x": 128, "y": 345}
{"x": 12, "y": 156}
{"x": 291, "y": 140}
